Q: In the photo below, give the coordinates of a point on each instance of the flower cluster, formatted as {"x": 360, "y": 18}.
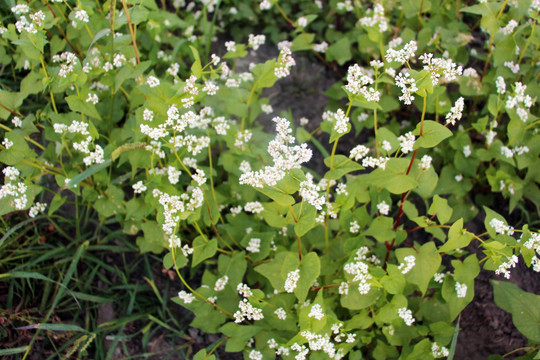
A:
{"x": 406, "y": 315}
{"x": 284, "y": 64}
{"x": 285, "y": 157}
{"x": 440, "y": 68}
{"x": 358, "y": 80}
{"x": 461, "y": 290}
{"x": 520, "y": 101}
{"x": 375, "y": 17}
{"x": 247, "y": 311}
{"x": 408, "y": 264}
{"x": 292, "y": 279}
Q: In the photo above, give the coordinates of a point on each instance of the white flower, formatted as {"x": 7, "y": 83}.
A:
{"x": 406, "y": 142}
{"x": 265, "y": 5}
{"x": 406, "y": 315}
{"x": 360, "y": 271}
{"x": 254, "y": 207}
{"x": 512, "y": 66}
{"x": 343, "y": 288}
{"x": 267, "y": 109}
{"x": 321, "y": 48}
{"x": 272, "y": 343}
{"x": 402, "y": 55}
{"x": 354, "y": 227}
{"x": 255, "y": 355}
{"x": 506, "y": 152}
{"x": 247, "y": 311}
{"x": 20, "y": 9}
{"x": 7, "y": 143}
{"x": 439, "y": 351}
{"x": 292, "y": 279}
{"x": 458, "y": 177}
{"x": 256, "y": 40}
{"x": 375, "y": 17}
{"x": 139, "y": 187}
{"x": 284, "y": 63}
{"x": 509, "y": 28}
{"x": 358, "y": 152}
{"x": 230, "y": 46}
{"x": 341, "y": 122}
{"x": 409, "y": 263}
{"x": 439, "y": 278}
{"x": 500, "y": 227}
{"x": 425, "y": 162}
{"x": 220, "y": 283}
{"x": 455, "y": 112}
{"x": 281, "y": 314}
{"x": 505, "y": 266}
{"x": 461, "y": 290}
{"x": 467, "y": 151}
{"x": 36, "y": 209}
{"x": 244, "y": 290}
{"x": 254, "y": 245}
{"x": 383, "y": 208}
{"x": 386, "y": 146}
{"x": 119, "y": 60}
{"x": 408, "y": 87}
{"x": 316, "y": 312}
{"x": 358, "y": 80}
{"x": 302, "y": 21}
{"x": 152, "y": 81}
{"x": 187, "y": 297}
{"x": 148, "y": 115}
{"x": 501, "y": 85}
{"x": 93, "y": 98}
{"x": 17, "y": 122}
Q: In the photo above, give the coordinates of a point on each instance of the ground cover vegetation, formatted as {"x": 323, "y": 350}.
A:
{"x": 131, "y": 144}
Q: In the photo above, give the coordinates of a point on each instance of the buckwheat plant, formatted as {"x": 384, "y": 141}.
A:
{"x": 130, "y": 110}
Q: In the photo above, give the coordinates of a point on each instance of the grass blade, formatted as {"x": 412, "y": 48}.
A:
{"x": 453, "y": 344}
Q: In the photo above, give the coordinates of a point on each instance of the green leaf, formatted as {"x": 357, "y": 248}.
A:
{"x": 203, "y": 250}
{"x": 53, "y": 327}
{"x": 457, "y": 237}
{"x": 356, "y": 301}
{"x": 433, "y": 134}
{"x": 13, "y": 351}
{"x": 382, "y": 229}
{"x": 395, "y": 183}
{"x": 154, "y": 238}
{"x": 524, "y": 307}
{"x": 272, "y": 270}
{"x": 83, "y": 107}
{"x": 201, "y": 355}
{"x": 239, "y": 335}
{"x": 394, "y": 282}
{"x": 441, "y": 208}
{"x": 196, "y": 68}
{"x": 302, "y": 41}
{"x": 310, "y": 268}
{"x": 427, "y": 263}
{"x": 264, "y": 73}
{"x": 490, "y": 215}
{"x": 341, "y": 165}
{"x": 88, "y": 172}
{"x": 340, "y": 51}
{"x": 464, "y": 272}
{"x": 278, "y": 196}
{"x": 306, "y": 220}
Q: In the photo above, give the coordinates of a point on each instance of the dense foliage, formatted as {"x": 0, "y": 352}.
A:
{"x": 123, "y": 109}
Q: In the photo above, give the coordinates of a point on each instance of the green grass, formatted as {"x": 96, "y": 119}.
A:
{"x": 56, "y": 285}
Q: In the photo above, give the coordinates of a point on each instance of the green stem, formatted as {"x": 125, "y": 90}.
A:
{"x": 195, "y": 292}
